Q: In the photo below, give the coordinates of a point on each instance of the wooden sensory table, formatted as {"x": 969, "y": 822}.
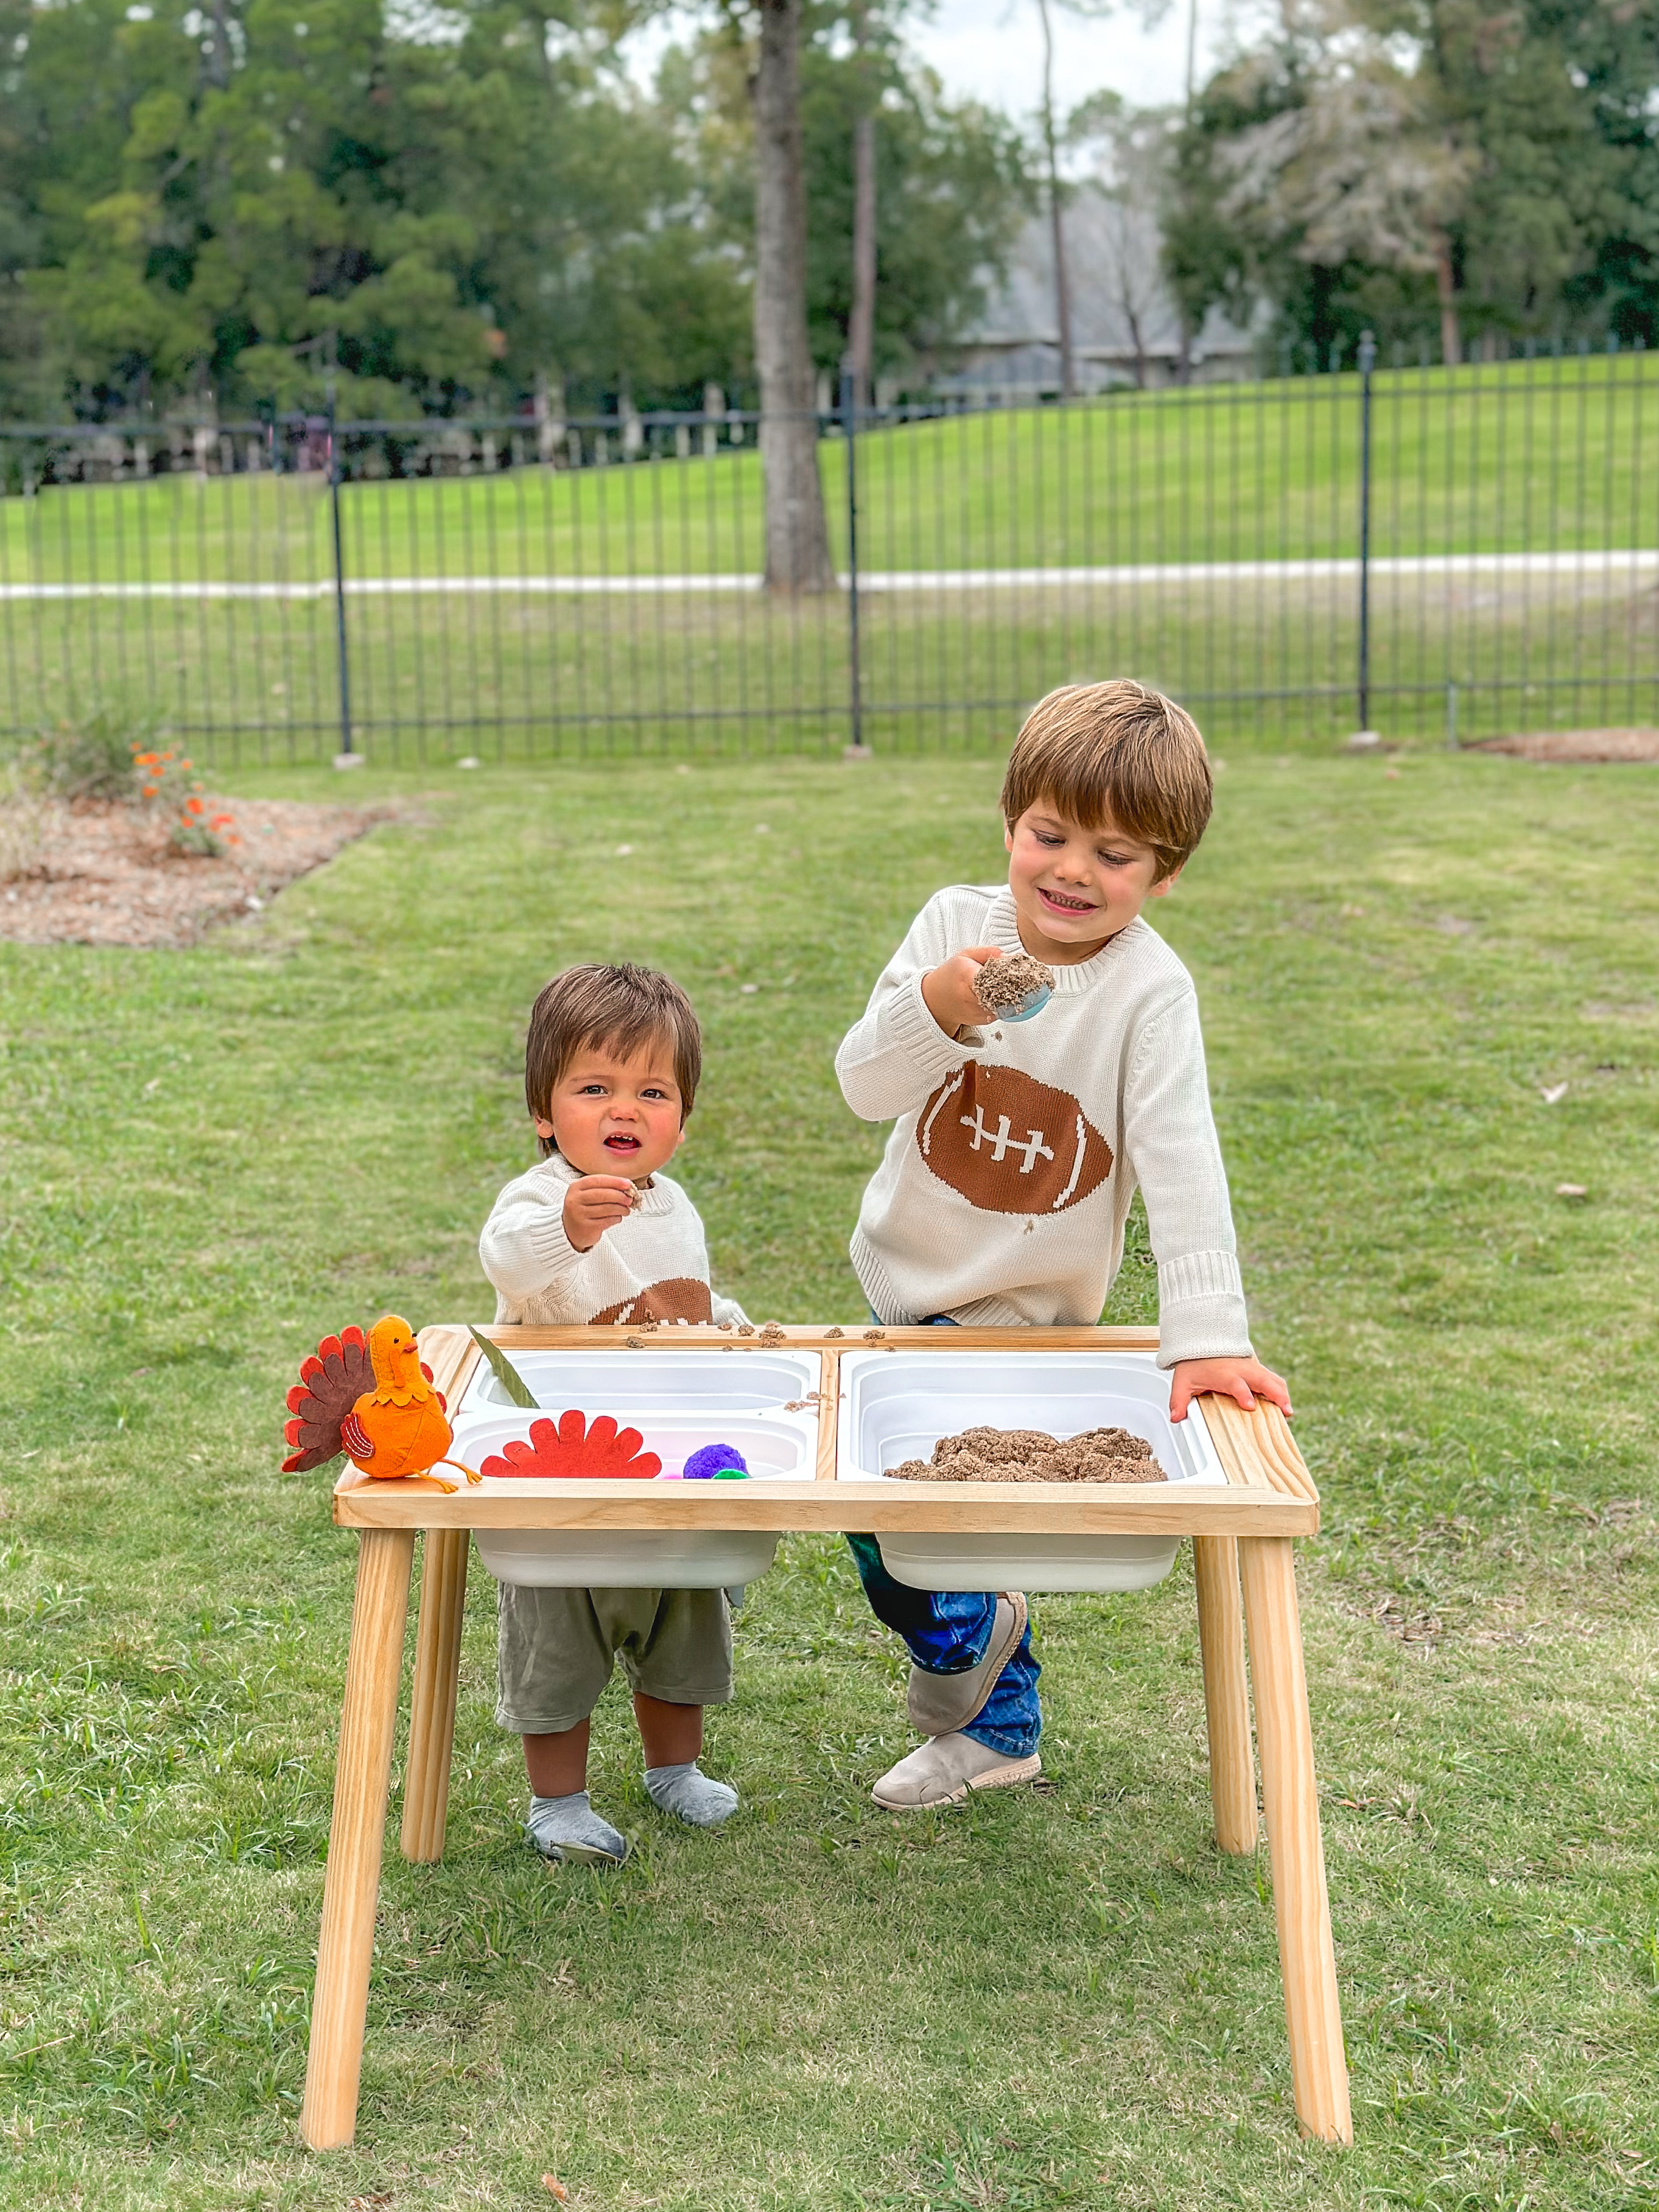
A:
{"x": 1242, "y": 1533}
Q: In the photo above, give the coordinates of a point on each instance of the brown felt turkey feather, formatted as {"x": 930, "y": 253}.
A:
{"x": 331, "y": 1382}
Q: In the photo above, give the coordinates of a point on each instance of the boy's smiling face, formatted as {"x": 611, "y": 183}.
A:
{"x": 613, "y": 1117}
{"x": 1074, "y": 888}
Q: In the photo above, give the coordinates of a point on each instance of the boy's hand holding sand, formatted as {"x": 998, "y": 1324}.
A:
{"x": 948, "y": 990}
{"x": 596, "y": 1203}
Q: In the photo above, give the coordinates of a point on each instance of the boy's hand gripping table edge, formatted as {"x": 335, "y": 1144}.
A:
{"x": 1241, "y": 1532}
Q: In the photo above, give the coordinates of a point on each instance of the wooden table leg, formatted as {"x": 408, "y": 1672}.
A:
{"x": 437, "y": 1681}
{"x": 1226, "y": 1696}
{"x": 345, "y": 1947}
{"x": 1290, "y": 1798}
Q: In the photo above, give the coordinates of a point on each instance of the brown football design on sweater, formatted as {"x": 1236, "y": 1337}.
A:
{"x": 681, "y": 1298}
{"x": 1010, "y": 1144}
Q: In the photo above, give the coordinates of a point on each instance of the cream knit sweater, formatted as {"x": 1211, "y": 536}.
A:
{"x": 1003, "y": 1192}
{"x": 654, "y": 1265}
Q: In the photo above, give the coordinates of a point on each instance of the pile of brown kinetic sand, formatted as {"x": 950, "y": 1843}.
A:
{"x": 1004, "y": 983}
{"x": 1030, "y": 1455}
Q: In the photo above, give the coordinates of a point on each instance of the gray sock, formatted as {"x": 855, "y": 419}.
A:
{"x": 688, "y": 1791}
{"x": 569, "y": 1829}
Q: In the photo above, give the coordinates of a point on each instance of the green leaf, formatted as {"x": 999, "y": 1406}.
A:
{"x": 506, "y": 1373}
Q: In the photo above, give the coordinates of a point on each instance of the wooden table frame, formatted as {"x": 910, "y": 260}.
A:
{"x": 1241, "y": 1533}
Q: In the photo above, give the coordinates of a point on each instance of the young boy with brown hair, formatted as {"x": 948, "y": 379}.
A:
{"x": 1002, "y": 1195}
{"x": 597, "y": 1233}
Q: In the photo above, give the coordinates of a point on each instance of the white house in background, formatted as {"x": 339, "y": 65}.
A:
{"x": 1125, "y": 325}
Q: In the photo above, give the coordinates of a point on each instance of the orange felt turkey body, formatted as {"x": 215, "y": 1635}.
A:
{"x": 577, "y": 1449}
{"x": 388, "y": 1441}
{"x": 399, "y": 1426}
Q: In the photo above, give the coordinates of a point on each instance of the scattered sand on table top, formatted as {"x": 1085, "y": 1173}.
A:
{"x": 105, "y": 875}
{"x": 1031, "y": 1455}
{"x": 1003, "y": 985}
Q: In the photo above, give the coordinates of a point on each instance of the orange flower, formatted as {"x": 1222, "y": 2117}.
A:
{"x": 145, "y": 760}
{"x": 150, "y": 790}
{"x": 223, "y": 821}
{"x": 192, "y": 806}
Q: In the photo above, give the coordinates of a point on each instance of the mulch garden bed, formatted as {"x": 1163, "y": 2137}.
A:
{"x": 108, "y": 877}
{"x": 1577, "y": 745}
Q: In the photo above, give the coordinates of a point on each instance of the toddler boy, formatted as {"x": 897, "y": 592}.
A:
{"x": 1003, "y": 1193}
{"x": 599, "y": 1234}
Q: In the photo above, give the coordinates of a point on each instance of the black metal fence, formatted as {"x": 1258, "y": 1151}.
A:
{"x": 1440, "y": 553}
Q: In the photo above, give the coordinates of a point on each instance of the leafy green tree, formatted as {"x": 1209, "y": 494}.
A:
{"x": 593, "y": 245}
{"x": 213, "y": 199}
{"x": 76, "y": 77}
{"x": 954, "y": 183}
{"x": 239, "y": 209}
{"x": 953, "y": 188}
{"x": 1426, "y": 167}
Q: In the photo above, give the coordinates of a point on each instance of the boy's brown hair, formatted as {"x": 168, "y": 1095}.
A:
{"x": 1114, "y": 751}
{"x": 624, "y": 1009}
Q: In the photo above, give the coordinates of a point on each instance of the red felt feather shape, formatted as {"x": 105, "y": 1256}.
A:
{"x": 575, "y": 1449}
{"x": 331, "y": 1380}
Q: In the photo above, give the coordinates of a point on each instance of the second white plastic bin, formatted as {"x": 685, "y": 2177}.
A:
{"x": 896, "y": 1405}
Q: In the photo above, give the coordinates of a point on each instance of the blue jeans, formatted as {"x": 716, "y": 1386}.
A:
{"x": 946, "y": 1632}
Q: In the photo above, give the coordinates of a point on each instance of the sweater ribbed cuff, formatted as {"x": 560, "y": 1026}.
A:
{"x": 1200, "y": 1308}
{"x": 919, "y": 1036}
{"x": 553, "y": 1248}
{"x": 1199, "y": 1275}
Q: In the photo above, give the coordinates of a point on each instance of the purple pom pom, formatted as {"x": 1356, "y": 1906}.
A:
{"x": 708, "y": 1460}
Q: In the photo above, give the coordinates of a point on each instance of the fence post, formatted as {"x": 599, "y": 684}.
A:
{"x": 849, "y": 407}
{"x": 347, "y": 755}
{"x": 1367, "y": 364}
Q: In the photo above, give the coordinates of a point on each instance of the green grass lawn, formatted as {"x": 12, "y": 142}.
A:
{"x": 1521, "y": 456}
{"x": 514, "y": 677}
{"x": 1544, "y": 457}
{"x": 1065, "y": 1998}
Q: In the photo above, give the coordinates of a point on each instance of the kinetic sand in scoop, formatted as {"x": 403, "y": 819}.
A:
{"x": 1003, "y": 985}
{"x": 1031, "y": 1455}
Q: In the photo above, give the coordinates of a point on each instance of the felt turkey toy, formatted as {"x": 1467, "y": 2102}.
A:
{"x": 373, "y": 1398}
{"x": 576, "y": 1448}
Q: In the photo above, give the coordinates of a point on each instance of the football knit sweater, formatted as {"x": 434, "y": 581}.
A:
{"x": 1003, "y": 1192}
{"x": 654, "y": 1266}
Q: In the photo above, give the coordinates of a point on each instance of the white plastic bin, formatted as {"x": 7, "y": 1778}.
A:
{"x": 678, "y": 1400}
{"x": 896, "y": 1405}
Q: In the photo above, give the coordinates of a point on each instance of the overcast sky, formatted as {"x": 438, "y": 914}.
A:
{"x": 992, "y": 50}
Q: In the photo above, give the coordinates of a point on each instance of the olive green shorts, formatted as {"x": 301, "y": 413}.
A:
{"x": 556, "y": 1649}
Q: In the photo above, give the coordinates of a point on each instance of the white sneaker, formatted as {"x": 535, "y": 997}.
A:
{"x": 942, "y": 1771}
{"x": 939, "y": 1704}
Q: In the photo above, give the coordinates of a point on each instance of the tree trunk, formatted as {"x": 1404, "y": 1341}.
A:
{"x": 1062, "y": 287}
{"x": 861, "y": 324}
{"x": 1184, "y": 357}
{"x": 1451, "y": 340}
{"x": 217, "y": 48}
{"x": 797, "y": 543}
